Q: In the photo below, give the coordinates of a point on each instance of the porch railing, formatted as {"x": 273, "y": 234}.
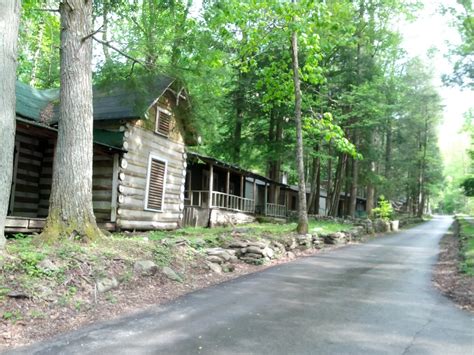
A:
{"x": 232, "y": 202}
{"x": 275, "y": 210}
{"x": 196, "y": 198}
{"x": 219, "y": 200}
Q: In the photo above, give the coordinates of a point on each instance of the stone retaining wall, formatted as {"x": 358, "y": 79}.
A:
{"x": 264, "y": 250}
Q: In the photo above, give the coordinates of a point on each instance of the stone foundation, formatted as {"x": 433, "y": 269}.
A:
{"x": 222, "y": 218}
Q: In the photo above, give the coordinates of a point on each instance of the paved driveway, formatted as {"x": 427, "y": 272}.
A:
{"x": 373, "y": 298}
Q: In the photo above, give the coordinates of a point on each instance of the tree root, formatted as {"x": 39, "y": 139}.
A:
{"x": 57, "y": 229}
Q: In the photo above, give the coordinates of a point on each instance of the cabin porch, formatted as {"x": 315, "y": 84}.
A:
{"x": 15, "y": 224}
{"x": 213, "y": 187}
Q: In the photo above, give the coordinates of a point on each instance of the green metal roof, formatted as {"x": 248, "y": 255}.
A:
{"x": 119, "y": 100}
{"x": 31, "y": 102}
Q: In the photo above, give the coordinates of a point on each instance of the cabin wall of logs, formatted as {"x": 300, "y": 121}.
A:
{"x": 32, "y": 175}
{"x": 132, "y": 180}
{"x": 27, "y": 171}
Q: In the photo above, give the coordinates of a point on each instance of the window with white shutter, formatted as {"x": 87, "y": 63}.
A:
{"x": 156, "y": 179}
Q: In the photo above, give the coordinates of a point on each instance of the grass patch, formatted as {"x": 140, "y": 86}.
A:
{"x": 466, "y": 236}
{"x": 214, "y": 236}
{"x": 73, "y": 262}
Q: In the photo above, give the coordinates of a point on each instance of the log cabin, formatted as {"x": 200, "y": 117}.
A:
{"x": 139, "y": 162}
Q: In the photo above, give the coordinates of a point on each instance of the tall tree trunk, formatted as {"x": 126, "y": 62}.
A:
{"x": 314, "y": 196}
{"x": 36, "y": 56}
{"x": 388, "y": 149}
{"x": 105, "y": 29}
{"x": 421, "y": 208}
{"x": 338, "y": 180}
{"x": 355, "y": 180}
{"x": 371, "y": 191}
{"x": 329, "y": 183}
{"x": 70, "y": 208}
{"x": 239, "y": 117}
{"x": 302, "y": 211}
{"x": 347, "y": 188}
{"x": 149, "y": 7}
{"x": 9, "y": 19}
{"x": 179, "y": 30}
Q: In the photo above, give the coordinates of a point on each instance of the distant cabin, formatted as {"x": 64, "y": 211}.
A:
{"x": 145, "y": 173}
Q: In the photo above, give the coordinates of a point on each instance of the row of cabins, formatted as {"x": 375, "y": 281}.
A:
{"x": 144, "y": 174}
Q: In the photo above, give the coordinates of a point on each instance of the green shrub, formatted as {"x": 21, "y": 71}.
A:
{"x": 29, "y": 262}
{"x": 163, "y": 255}
{"x": 384, "y": 209}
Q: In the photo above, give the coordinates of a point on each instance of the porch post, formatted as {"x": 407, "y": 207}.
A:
{"x": 227, "y": 188}
{"x": 254, "y": 193}
{"x": 211, "y": 183}
{"x": 242, "y": 185}
{"x": 265, "y": 200}
{"x": 275, "y": 194}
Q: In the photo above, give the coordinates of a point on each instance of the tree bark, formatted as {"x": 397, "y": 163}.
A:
{"x": 421, "y": 207}
{"x": 302, "y": 211}
{"x": 239, "y": 117}
{"x": 314, "y": 196}
{"x": 337, "y": 185}
{"x": 180, "y": 19}
{"x": 70, "y": 209}
{"x": 388, "y": 149}
{"x": 329, "y": 183}
{"x": 355, "y": 181}
{"x": 36, "y": 56}
{"x": 318, "y": 189}
{"x": 370, "y": 192}
{"x": 9, "y": 19}
{"x": 105, "y": 29}
{"x": 347, "y": 187}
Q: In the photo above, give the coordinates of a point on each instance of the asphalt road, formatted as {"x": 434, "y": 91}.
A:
{"x": 373, "y": 298}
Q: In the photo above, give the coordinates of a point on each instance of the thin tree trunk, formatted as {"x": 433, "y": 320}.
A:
{"x": 419, "y": 191}
{"x": 179, "y": 31}
{"x": 329, "y": 182}
{"x": 105, "y": 28}
{"x": 239, "y": 117}
{"x": 388, "y": 149}
{"x": 9, "y": 19}
{"x": 302, "y": 211}
{"x": 370, "y": 186}
{"x": 70, "y": 209}
{"x": 36, "y": 56}
{"x": 314, "y": 196}
{"x": 370, "y": 192}
{"x": 271, "y": 155}
{"x": 347, "y": 187}
{"x": 337, "y": 185}
{"x": 276, "y": 174}
{"x": 355, "y": 180}
{"x": 421, "y": 208}
{"x": 318, "y": 189}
